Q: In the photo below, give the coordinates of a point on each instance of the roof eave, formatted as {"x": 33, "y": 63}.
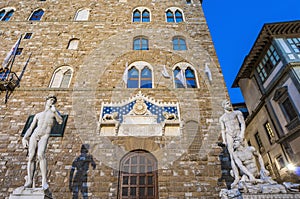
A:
{"x": 265, "y": 36}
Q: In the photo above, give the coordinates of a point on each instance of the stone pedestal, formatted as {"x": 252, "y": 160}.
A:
{"x": 279, "y": 194}
{"x": 30, "y": 193}
{"x": 271, "y": 196}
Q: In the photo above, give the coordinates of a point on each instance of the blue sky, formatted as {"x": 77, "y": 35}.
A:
{"x": 235, "y": 25}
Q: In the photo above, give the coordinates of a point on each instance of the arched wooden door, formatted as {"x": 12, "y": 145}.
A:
{"x": 138, "y": 176}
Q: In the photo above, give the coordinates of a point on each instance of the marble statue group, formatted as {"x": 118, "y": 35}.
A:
{"x": 249, "y": 177}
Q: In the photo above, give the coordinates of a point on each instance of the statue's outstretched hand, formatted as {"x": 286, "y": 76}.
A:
{"x": 25, "y": 143}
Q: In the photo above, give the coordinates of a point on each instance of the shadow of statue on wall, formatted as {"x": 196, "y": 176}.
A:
{"x": 80, "y": 167}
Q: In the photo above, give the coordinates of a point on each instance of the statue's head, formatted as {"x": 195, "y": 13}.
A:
{"x": 85, "y": 148}
{"x": 52, "y": 97}
{"x": 237, "y": 142}
{"x": 226, "y": 105}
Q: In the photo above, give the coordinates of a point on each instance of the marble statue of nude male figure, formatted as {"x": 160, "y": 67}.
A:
{"x": 40, "y": 130}
{"x": 232, "y": 126}
{"x": 245, "y": 159}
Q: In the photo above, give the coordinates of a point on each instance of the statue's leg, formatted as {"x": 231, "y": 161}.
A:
{"x": 235, "y": 173}
{"x": 84, "y": 188}
{"x": 75, "y": 191}
{"x": 233, "y": 165}
{"x": 42, "y": 145}
{"x": 31, "y": 162}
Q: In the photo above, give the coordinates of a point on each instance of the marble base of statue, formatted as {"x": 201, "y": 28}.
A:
{"x": 261, "y": 190}
{"x": 31, "y": 193}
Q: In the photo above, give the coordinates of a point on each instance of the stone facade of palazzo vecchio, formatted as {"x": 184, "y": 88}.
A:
{"x": 139, "y": 87}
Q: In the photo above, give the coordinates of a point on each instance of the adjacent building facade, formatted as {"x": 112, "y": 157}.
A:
{"x": 269, "y": 79}
{"x": 140, "y": 113}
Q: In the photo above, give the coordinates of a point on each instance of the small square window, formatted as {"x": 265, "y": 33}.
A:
{"x": 28, "y": 35}
{"x": 188, "y": 1}
{"x": 19, "y": 51}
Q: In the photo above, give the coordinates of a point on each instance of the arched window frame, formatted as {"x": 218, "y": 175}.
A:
{"x": 140, "y": 43}
{"x": 37, "y": 15}
{"x": 172, "y": 16}
{"x": 7, "y": 13}
{"x": 141, "y": 17}
{"x": 136, "y": 16}
{"x": 184, "y": 66}
{"x": 140, "y": 65}
{"x": 178, "y": 16}
{"x": 179, "y": 43}
{"x": 84, "y": 17}
{"x": 145, "y": 16}
{"x": 58, "y": 77}
{"x": 141, "y": 166}
{"x": 190, "y": 79}
{"x": 73, "y": 44}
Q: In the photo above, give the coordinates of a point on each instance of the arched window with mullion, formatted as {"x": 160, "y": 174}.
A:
{"x": 37, "y": 15}
{"x": 184, "y": 76}
{"x": 139, "y": 75}
{"x": 140, "y": 43}
{"x": 179, "y": 43}
{"x": 136, "y": 16}
{"x": 61, "y": 77}
{"x": 170, "y": 16}
{"x": 133, "y": 78}
{"x": 190, "y": 78}
{"x": 145, "y": 16}
{"x": 146, "y": 78}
